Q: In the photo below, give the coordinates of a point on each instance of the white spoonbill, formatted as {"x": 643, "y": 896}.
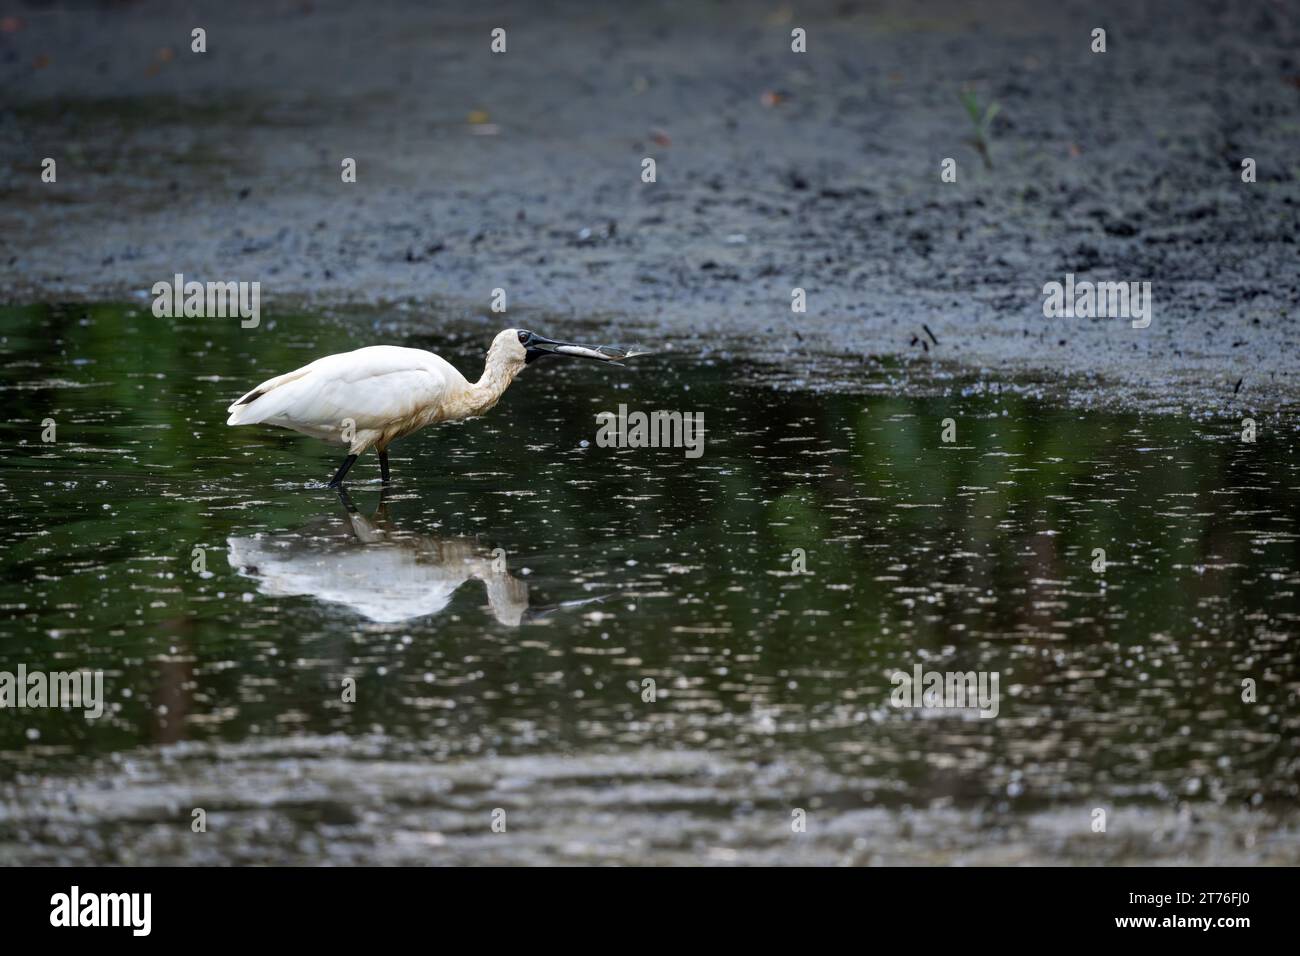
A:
{"x": 371, "y": 397}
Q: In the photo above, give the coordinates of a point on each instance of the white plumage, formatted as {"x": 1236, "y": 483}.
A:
{"x": 378, "y": 389}
{"x": 370, "y": 397}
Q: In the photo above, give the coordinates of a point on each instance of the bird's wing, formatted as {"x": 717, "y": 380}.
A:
{"x": 249, "y": 397}
{"x": 373, "y": 387}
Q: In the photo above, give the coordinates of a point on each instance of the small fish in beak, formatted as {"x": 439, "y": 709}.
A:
{"x": 602, "y": 353}
{"x": 536, "y": 346}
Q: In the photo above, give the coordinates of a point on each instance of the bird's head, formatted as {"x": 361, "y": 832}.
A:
{"x": 522, "y": 347}
{"x": 514, "y": 349}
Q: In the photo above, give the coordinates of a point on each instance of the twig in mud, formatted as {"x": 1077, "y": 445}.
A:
{"x": 1237, "y": 388}
{"x": 917, "y": 340}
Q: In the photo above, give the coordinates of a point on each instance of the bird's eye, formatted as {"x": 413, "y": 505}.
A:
{"x": 524, "y": 337}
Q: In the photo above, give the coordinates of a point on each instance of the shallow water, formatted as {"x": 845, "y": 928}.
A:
{"x": 502, "y": 610}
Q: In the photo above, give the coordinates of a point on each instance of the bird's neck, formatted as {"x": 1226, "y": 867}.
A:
{"x": 487, "y": 391}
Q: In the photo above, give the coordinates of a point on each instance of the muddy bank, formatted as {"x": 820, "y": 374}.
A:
{"x": 775, "y": 170}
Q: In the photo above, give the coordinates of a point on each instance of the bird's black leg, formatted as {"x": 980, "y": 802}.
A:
{"x": 337, "y": 480}
{"x": 383, "y": 465}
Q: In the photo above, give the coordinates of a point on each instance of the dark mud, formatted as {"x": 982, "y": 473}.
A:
{"x": 521, "y": 171}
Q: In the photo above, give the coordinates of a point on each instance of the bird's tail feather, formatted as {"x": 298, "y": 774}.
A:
{"x": 243, "y": 415}
{"x": 246, "y": 410}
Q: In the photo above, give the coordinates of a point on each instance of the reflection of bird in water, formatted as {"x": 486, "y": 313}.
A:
{"x": 377, "y": 570}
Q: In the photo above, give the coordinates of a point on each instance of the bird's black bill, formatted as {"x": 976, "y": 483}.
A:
{"x": 536, "y": 347}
